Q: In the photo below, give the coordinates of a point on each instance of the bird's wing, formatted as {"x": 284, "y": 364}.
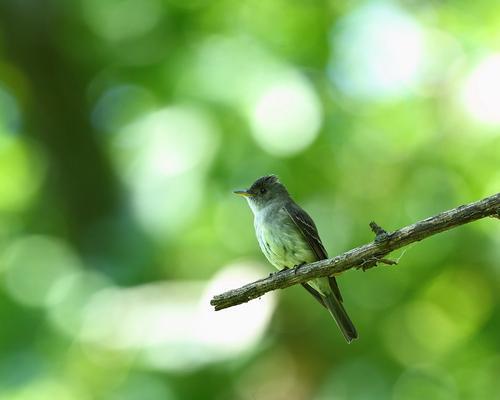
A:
{"x": 307, "y": 227}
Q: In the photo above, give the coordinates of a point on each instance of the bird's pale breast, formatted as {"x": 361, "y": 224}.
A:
{"x": 280, "y": 240}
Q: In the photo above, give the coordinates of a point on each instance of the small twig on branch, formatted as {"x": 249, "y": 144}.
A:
{"x": 366, "y": 256}
{"x": 387, "y": 261}
{"x": 380, "y": 234}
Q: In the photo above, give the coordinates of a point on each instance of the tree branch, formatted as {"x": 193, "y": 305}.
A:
{"x": 366, "y": 256}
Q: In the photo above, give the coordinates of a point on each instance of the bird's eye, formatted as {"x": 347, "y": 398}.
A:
{"x": 263, "y": 190}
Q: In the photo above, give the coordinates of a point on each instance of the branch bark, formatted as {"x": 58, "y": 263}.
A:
{"x": 366, "y": 256}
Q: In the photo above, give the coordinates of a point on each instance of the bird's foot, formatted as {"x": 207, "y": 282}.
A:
{"x": 296, "y": 267}
{"x": 271, "y": 274}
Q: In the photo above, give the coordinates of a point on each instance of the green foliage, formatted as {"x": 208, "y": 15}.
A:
{"x": 124, "y": 127}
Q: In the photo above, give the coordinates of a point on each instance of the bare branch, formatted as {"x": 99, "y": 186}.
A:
{"x": 366, "y": 256}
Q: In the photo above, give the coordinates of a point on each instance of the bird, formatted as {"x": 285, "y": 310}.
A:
{"x": 288, "y": 237}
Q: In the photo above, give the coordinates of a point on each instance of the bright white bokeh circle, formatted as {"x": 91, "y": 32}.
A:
{"x": 481, "y": 91}
{"x": 377, "y": 52}
{"x": 286, "y": 116}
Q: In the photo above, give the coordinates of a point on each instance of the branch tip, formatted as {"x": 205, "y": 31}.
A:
{"x": 387, "y": 261}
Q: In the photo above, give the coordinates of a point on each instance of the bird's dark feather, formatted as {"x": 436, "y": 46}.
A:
{"x": 307, "y": 227}
{"x": 315, "y": 294}
{"x": 265, "y": 180}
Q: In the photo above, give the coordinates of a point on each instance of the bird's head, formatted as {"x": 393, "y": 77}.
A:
{"x": 265, "y": 190}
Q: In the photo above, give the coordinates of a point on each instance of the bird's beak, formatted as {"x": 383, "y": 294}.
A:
{"x": 244, "y": 193}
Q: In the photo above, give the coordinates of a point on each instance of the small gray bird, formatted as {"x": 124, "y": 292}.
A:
{"x": 288, "y": 237}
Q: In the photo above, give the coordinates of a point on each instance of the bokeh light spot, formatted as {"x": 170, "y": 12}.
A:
{"x": 173, "y": 325}
{"x": 218, "y": 65}
{"x": 481, "y": 91}
{"x": 21, "y": 173}
{"x": 162, "y": 157}
{"x": 236, "y": 329}
{"x": 122, "y": 19}
{"x": 167, "y": 142}
{"x": 286, "y": 116}
{"x": 73, "y": 293}
{"x": 282, "y": 106}
{"x": 377, "y": 52}
{"x": 34, "y": 265}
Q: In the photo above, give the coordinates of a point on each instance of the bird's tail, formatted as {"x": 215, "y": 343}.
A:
{"x": 340, "y": 316}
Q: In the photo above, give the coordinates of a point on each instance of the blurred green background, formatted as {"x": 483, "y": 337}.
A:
{"x": 124, "y": 126}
